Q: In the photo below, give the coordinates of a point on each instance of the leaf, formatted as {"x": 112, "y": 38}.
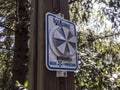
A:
{"x": 26, "y": 84}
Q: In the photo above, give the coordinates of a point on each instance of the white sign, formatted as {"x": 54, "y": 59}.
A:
{"x": 61, "y": 44}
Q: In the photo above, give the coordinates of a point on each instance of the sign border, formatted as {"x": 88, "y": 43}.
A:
{"x": 47, "y": 45}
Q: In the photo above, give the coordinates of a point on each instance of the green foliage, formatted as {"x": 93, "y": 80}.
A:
{"x": 98, "y": 44}
{"x": 98, "y": 63}
{"x": 7, "y": 12}
{"x": 26, "y": 84}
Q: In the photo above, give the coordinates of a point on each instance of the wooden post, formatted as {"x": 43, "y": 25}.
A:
{"x": 39, "y": 77}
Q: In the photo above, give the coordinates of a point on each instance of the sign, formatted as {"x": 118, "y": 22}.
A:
{"x": 61, "y": 44}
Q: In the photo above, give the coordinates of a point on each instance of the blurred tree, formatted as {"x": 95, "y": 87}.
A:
{"x": 21, "y": 55}
{"x": 7, "y": 14}
{"x": 14, "y": 34}
{"x": 98, "y": 43}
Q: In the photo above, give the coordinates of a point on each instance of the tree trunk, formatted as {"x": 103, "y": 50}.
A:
{"x": 20, "y": 61}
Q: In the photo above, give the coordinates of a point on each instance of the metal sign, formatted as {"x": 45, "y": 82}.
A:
{"x": 61, "y": 44}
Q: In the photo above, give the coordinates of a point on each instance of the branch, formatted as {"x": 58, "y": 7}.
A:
{"x": 3, "y": 26}
{"x": 12, "y": 2}
{"x": 92, "y": 38}
{"x": 106, "y": 36}
{"x": 1, "y": 48}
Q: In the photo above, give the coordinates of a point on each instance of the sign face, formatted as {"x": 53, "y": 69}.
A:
{"x": 61, "y": 44}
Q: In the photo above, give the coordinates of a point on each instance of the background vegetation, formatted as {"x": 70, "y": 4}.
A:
{"x": 98, "y": 24}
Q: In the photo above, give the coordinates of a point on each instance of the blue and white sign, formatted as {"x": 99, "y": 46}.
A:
{"x": 61, "y": 44}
